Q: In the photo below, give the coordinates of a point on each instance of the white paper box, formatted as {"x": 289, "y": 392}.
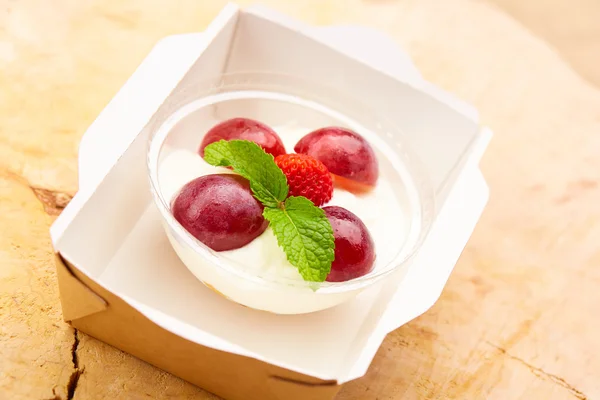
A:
{"x": 110, "y": 234}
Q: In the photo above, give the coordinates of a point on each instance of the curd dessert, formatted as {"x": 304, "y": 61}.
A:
{"x": 330, "y": 216}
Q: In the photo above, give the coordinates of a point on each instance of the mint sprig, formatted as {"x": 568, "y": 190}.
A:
{"x": 301, "y": 228}
{"x": 305, "y": 235}
{"x": 267, "y": 181}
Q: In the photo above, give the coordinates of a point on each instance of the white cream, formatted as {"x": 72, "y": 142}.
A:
{"x": 379, "y": 209}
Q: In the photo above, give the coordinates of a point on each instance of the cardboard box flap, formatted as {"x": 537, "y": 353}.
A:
{"x": 77, "y": 299}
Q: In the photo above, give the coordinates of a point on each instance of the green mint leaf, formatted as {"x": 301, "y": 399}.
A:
{"x": 267, "y": 181}
{"x": 305, "y": 235}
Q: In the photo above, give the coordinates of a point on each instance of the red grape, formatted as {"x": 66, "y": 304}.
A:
{"x": 346, "y": 154}
{"x": 354, "y": 247}
{"x": 245, "y": 129}
{"x": 220, "y": 211}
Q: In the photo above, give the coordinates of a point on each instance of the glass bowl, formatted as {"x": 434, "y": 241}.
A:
{"x": 290, "y": 105}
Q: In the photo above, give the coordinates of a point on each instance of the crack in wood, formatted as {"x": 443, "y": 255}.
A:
{"x": 72, "y": 385}
{"x": 74, "y": 357}
{"x": 543, "y": 374}
{"x": 74, "y": 378}
{"x": 53, "y": 201}
{"x": 75, "y": 375}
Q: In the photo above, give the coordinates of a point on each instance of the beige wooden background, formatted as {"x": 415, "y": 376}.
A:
{"x": 519, "y": 316}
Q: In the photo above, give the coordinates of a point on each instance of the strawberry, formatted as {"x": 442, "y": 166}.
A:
{"x": 306, "y": 177}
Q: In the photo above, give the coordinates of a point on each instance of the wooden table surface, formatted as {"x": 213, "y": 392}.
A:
{"x": 519, "y": 318}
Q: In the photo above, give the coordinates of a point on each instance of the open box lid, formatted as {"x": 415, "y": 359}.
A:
{"x": 130, "y": 257}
